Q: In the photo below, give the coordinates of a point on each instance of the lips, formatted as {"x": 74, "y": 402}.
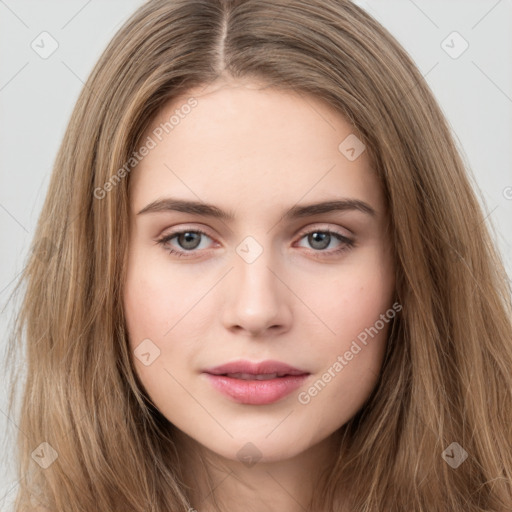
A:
{"x": 256, "y": 383}
{"x": 251, "y": 376}
{"x": 248, "y": 368}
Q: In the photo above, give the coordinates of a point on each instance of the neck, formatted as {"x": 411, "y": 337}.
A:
{"x": 218, "y": 484}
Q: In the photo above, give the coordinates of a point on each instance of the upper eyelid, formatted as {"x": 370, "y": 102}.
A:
{"x": 316, "y": 226}
{"x": 172, "y": 234}
{"x": 325, "y": 227}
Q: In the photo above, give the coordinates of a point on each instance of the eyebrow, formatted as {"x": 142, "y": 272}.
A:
{"x": 297, "y": 211}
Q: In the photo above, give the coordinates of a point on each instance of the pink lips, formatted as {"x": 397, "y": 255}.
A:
{"x": 256, "y": 383}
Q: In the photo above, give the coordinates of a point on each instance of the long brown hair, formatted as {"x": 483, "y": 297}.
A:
{"x": 446, "y": 377}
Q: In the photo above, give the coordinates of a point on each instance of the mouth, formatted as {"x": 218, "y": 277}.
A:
{"x": 256, "y": 383}
{"x": 251, "y": 376}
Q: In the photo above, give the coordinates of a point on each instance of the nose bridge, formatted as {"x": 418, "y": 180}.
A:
{"x": 257, "y": 298}
{"x": 255, "y": 281}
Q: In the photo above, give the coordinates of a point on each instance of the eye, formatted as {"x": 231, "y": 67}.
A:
{"x": 321, "y": 239}
{"x": 187, "y": 240}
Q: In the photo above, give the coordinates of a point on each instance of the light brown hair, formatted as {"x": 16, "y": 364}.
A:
{"x": 447, "y": 371}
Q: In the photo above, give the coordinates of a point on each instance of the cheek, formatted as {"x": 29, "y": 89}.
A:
{"x": 349, "y": 361}
{"x": 155, "y": 299}
{"x": 161, "y": 306}
{"x": 355, "y": 309}
{"x": 350, "y": 300}
{"x": 153, "y": 312}
{"x": 146, "y": 310}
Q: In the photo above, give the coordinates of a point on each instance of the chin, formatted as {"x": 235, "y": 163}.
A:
{"x": 250, "y": 450}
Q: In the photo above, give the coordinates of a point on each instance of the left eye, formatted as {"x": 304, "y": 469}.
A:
{"x": 190, "y": 240}
{"x": 320, "y": 240}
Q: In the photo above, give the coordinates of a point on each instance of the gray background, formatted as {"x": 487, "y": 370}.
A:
{"x": 37, "y": 95}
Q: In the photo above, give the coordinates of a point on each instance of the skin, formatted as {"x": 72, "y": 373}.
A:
{"x": 256, "y": 152}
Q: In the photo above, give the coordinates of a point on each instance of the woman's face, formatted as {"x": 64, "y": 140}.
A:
{"x": 301, "y": 313}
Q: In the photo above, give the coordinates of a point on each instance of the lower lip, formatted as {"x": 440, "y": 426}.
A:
{"x": 257, "y": 392}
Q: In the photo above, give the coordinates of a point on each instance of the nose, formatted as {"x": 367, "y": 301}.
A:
{"x": 257, "y": 298}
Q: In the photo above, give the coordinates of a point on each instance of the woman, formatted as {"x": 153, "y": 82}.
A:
{"x": 261, "y": 279}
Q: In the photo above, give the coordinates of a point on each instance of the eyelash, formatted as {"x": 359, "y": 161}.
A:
{"x": 347, "y": 243}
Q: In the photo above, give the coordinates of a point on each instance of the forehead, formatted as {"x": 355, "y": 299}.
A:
{"x": 244, "y": 142}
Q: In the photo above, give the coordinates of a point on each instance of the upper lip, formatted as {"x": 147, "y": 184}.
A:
{"x": 261, "y": 368}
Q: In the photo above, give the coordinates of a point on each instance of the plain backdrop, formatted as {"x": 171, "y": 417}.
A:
{"x": 462, "y": 47}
